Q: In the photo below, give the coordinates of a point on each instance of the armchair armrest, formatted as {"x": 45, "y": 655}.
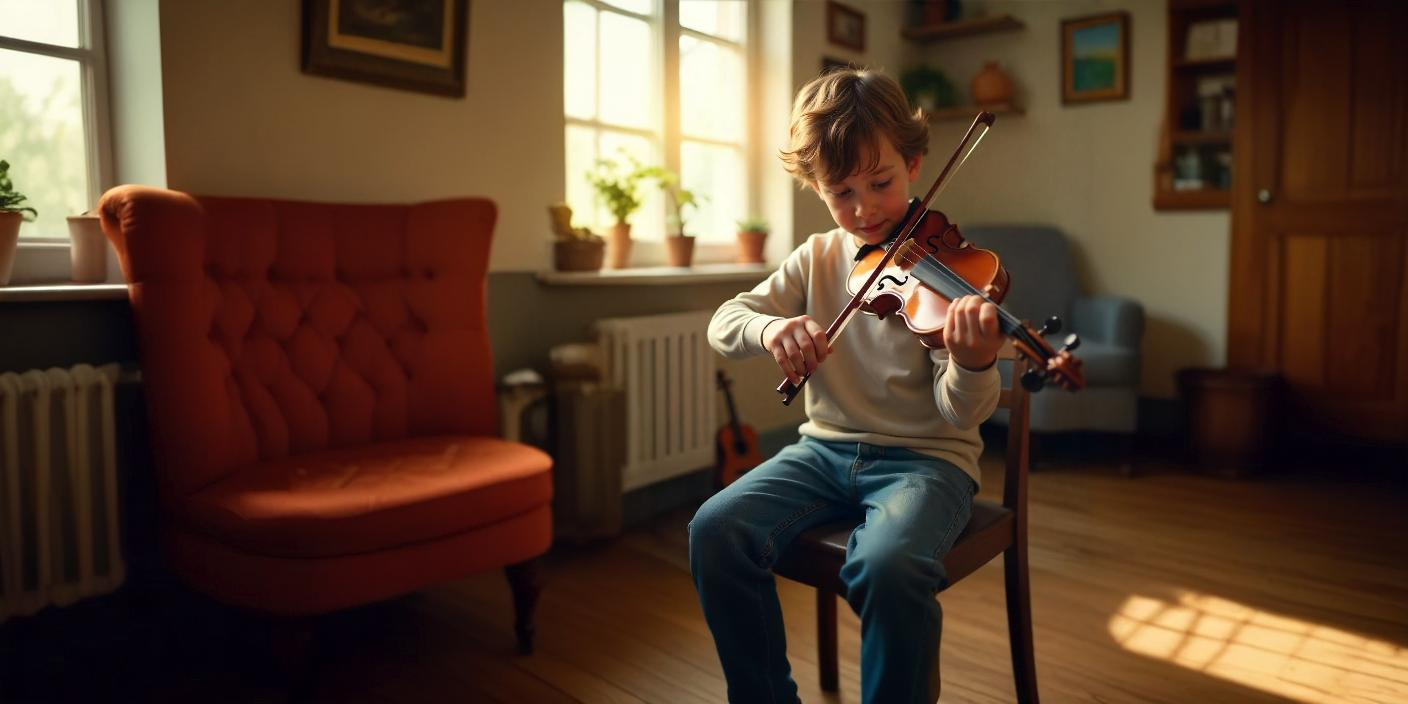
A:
{"x": 1114, "y": 320}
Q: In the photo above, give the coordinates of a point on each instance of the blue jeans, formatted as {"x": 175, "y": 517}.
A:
{"x": 914, "y": 508}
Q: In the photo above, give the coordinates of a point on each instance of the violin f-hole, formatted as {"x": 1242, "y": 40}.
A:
{"x": 881, "y": 285}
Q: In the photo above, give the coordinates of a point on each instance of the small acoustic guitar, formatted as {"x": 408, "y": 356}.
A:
{"x": 737, "y": 444}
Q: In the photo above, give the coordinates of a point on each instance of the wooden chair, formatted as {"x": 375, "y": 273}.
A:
{"x": 816, "y": 556}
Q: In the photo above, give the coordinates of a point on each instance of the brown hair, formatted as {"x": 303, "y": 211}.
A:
{"x": 838, "y": 119}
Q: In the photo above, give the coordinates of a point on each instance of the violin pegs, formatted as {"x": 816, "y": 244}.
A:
{"x": 1032, "y": 380}
{"x": 1072, "y": 342}
{"x": 1052, "y": 325}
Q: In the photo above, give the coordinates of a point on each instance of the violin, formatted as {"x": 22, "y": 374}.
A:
{"x": 931, "y": 264}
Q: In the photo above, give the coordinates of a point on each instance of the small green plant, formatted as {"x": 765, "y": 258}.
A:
{"x": 927, "y": 87}
{"x": 617, "y": 189}
{"x": 679, "y": 198}
{"x": 754, "y": 223}
{"x": 10, "y": 199}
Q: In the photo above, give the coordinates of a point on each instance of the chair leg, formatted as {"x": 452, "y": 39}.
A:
{"x": 1019, "y": 623}
{"x": 525, "y": 580}
{"x": 826, "y": 639}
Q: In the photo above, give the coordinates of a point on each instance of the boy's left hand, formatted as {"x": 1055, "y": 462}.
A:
{"x": 971, "y": 333}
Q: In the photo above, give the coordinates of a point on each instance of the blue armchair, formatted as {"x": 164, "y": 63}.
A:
{"x": 1110, "y": 329}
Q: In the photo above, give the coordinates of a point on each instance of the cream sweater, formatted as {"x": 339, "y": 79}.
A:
{"x": 880, "y": 385}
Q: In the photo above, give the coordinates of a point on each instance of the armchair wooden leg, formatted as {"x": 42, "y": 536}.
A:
{"x": 1019, "y": 623}
{"x": 826, "y": 640}
{"x": 525, "y": 579}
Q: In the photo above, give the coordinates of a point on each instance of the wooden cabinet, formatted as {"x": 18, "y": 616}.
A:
{"x": 1194, "y": 166}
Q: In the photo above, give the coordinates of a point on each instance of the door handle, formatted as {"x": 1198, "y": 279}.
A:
{"x": 1263, "y": 196}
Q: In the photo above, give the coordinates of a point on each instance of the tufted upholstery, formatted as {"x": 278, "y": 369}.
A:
{"x": 319, "y": 384}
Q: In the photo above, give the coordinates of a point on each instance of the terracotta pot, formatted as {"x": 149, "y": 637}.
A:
{"x": 88, "y": 249}
{"x": 750, "y": 247}
{"x": 991, "y": 85}
{"x": 9, "y": 242}
{"x": 618, "y": 246}
{"x": 578, "y": 255}
{"x": 680, "y": 250}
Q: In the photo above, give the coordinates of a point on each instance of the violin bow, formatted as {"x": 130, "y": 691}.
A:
{"x": 976, "y": 131}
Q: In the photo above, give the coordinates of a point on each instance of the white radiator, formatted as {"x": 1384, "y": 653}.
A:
{"x": 59, "y": 538}
{"x": 664, "y": 365}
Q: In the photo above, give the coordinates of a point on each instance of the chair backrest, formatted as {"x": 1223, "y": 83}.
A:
{"x": 1039, "y": 260}
{"x": 270, "y": 328}
{"x": 1017, "y": 401}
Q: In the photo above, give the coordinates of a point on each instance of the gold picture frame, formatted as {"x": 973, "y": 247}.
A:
{"x": 1095, "y": 58}
{"x": 416, "y": 45}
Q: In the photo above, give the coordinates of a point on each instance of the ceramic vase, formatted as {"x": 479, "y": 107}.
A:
{"x": 991, "y": 85}
{"x": 750, "y": 247}
{"x": 88, "y": 249}
{"x": 618, "y": 246}
{"x": 680, "y": 250}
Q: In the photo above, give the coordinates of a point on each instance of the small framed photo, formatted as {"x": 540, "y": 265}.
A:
{"x": 1095, "y": 58}
{"x": 414, "y": 45}
{"x": 1211, "y": 39}
{"x": 845, "y": 26}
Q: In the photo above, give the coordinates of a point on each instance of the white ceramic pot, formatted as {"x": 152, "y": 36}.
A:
{"x": 88, "y": 249}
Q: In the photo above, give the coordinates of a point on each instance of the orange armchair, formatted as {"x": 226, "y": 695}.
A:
{"x": 321, "y": 399}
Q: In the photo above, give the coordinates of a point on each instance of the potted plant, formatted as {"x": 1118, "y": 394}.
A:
{"x": 928, "y": 88}
{"x": 752, "y": 233}
{"x": 619, "y": 190}
{"x": 11, "y": 214}
{"x": 679, "y": 246}
{"x": 575, "y": 248}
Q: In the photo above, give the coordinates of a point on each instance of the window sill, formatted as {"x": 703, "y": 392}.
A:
{"x": 658, "y": 275}
{"x": 63, "y": 292}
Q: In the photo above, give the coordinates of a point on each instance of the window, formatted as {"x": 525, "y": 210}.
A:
{"x": 665, "y": 82}
{"x": 53, "y": 95}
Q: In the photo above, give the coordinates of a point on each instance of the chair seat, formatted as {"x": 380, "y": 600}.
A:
{"x": 370, "y": 498}
{"x": 816, "y": 556}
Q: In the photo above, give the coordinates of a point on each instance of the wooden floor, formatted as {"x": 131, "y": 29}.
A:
{"x": 1168, "y": 587}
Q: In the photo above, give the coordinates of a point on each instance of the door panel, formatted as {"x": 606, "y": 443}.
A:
{"x": 1320, "y": 211}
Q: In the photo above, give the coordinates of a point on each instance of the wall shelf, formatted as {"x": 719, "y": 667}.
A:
{"x": 1196, "y": 134}
{"x": 962, "y": 28}
{"x": 966, "y": 113}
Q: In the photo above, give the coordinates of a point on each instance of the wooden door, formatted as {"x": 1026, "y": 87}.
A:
{"x": 1320, "y": 211}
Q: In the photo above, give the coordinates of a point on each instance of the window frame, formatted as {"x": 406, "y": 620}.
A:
{"x": 664, "y": 22}
{"x": 92, "y": 57}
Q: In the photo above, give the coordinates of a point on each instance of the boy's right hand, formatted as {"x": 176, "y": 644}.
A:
{"x": 797, "y": 344}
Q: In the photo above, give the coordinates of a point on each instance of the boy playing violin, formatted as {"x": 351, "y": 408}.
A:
{"x": 892, "y": 427}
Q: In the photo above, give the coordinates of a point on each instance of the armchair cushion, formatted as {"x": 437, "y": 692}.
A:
{"x": 375, "y": 497}
{"x": 1114, "y": 320}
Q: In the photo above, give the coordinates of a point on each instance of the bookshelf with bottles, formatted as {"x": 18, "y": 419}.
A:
{"x": 1194, "y": 167}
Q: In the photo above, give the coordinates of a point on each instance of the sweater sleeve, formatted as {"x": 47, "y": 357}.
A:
{"x": 736, "y": 330}
{"x": 965, "y": 398}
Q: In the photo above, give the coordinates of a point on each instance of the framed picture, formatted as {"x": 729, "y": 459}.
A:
{"x": 408, "y": 44}
{"x": 845, "y": 26}
{"x": 1095, "y": 58}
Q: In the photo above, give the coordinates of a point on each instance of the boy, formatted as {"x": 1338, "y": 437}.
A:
{"x": 891, "y": 431}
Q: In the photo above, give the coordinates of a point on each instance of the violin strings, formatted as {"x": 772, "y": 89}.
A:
{"x": 963, "y": 287}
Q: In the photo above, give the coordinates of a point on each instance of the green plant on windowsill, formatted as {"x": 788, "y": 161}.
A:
{"x": 10, "y": 199}
{"x": 617, "y": 189}
{"x": 677, "y": 197}
{"x": 12, "y": 213}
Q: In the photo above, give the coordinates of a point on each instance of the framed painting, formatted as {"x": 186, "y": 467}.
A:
{"x": 407, "y": 44}
{"x": 1095, "y": 58}
{"x": 845, "y": 26}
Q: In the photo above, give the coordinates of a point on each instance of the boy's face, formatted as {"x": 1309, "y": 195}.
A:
{"x": 871, "y": 204}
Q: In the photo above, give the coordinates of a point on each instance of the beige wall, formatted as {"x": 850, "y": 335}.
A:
{"x": 1088, "y": 169}
{"x": 242, "y": 119}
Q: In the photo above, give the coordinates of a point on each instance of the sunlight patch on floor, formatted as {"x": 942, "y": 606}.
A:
{"x": 1284, "y": 656}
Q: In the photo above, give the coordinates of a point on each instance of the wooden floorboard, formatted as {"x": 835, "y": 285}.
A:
{"x": 1168, "y": 587}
